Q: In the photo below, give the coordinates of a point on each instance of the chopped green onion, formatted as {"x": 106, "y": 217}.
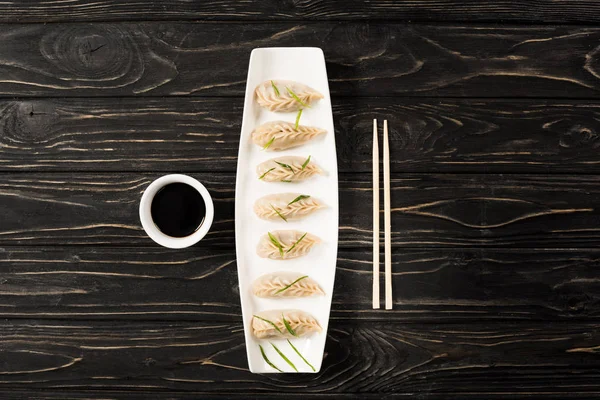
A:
{"x": 297, "y": 199}
{"x": 294, "y": 245}
{"x": 269, "y": 322}
{"x": 298, "y": 119}
{"x": 285, "y": 166}
{"x": 275, "y": 89}
{"x": 303, "y": 359}
{"x": 277, "y": 244}
{"x": 262, "y": 351}
{"x": 278, "y": 213}
{"x": 289, "y": 286}
{"x": 288, "y": 326}
{"x": 305, "y": 163}
{"x": 295, "y": 96}
{"x": 263, "y": 175}
{"x": 269, "y": 143}
{"x": 286, "y": 181}
{"x": 287, "y": 360}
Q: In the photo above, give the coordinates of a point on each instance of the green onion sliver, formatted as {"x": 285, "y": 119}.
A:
{"x": 287, "y": 360}
{"x": 288, "y": 326}
{"x": 305, "y": 163}
{"x": 294, "y": 245}
{"x": 285, "y": 166}
{"x": 301, "y": 197}
{"x": 275, "y": 89}
{"x": 278, "y": 213}
{"x": 263, "y": 175}
{"x": 295, "y": 96}
{"x": 269, "y": 143}
{"x": 276, "y": 243}
{"x": 298, "y": 119}
{"x": 290, "y": 285}
{"x": 264, "y": 356}
{"x": 300, "y": 355}
{"x": 269, "y": 322}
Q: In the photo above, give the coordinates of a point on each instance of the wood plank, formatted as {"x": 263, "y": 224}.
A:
{"x": 158, "y": 59}
{"x": 120, "y": 134}
{"x": 202, "y": 134}
{"x": 45, "y": 394}
{"x": 433, "y": 285}
{"x": 428, "y": 210}
{"x": 578, "y": 11}
{"x": 360, "y": 358}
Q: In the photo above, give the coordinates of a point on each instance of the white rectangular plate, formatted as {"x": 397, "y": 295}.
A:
{"x": 305, "y": 65}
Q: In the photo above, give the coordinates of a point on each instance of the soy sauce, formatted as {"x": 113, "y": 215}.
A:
{"x": 178, "y": 210}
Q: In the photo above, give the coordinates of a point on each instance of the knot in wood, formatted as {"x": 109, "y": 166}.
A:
{"x": 88, "y": 52}
{"x": 578, "y": 135}
{"x": 26, "y": 122}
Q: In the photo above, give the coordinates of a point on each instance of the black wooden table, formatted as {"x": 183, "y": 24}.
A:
{"x": 494, "y": 110}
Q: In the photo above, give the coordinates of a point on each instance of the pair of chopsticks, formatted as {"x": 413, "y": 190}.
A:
{"x": 387, "y": 217}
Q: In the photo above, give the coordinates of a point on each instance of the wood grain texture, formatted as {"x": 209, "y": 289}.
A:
{"x": 202, "y": 134}
{"x": 104, "y": 134}
{"x": 158, "y": 59}
{"x": 427, "y": 210}
{"x": 578, "y": 11}
{"x": 495, "y": 223}
{"x": 359, "y": 358}
{"x": 45, "y": 394}
{"x": 201, "y": 284}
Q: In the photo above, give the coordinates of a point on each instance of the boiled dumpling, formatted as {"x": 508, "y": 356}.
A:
{"x": 281, "y": 135}
{"x": 286, "y": 206}
{"x": 284, "y": 245}
{"x": 283, "y": 96}
{"x": 286, "y": 284}
{"x": 270, "y": 324}
{"x": 287, "y": 169}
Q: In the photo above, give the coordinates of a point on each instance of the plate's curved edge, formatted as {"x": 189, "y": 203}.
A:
{"x": 248, "y": 98}
{"x": 242, "y": 163}
{"x": 337, "y": 191}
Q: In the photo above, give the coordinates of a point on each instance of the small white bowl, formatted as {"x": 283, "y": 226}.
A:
{"x": 151, "y": 228}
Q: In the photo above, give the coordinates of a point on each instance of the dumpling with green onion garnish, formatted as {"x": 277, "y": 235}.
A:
{"x": 286, "y": 206}
{"x": 284, "y": 324}
{"x": 286, "y": 284}
{"x": 282, "y": 96}
{"x": 287, "y": 169}
{"x": 281, "y": 135}
{"x": 286, "y": 244}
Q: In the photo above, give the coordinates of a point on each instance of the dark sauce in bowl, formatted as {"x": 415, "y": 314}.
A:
{"x": 178, "y": 210}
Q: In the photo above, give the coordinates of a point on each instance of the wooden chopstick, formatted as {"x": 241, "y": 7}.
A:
{"x": 387, "y": 219}
{"x": 375, "y": 217}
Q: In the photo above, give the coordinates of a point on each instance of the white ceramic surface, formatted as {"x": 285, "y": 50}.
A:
{"x": 151, "y": 228}
{"x": 305, "y": 65}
